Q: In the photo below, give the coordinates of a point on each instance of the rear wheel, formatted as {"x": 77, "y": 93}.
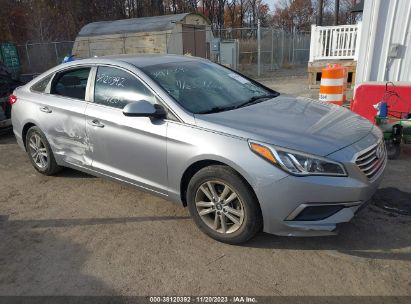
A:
{"x": 40, "y": 153}
{"x": 223, "y": 206}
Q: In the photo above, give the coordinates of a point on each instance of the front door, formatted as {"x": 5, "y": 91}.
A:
{"x": 132, "y": 149}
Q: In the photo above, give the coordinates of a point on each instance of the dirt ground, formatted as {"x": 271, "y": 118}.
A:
{"x": 296, "y": 85}
{"x": 293, "y": 85}
{"x": 74, "y": 234}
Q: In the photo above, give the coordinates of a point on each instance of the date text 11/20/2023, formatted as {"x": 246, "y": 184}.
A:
{"x": 203, "y": 299}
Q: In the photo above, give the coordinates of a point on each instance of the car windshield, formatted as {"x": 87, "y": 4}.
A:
{"x": 202, "y": 87}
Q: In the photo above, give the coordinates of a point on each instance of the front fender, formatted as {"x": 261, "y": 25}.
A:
{"x": 187, "y": 145}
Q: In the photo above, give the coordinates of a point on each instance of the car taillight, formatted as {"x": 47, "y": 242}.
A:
{"x": 12, "y": 99}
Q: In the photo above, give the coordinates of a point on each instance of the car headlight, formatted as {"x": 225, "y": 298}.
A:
{"x": 297, "y": 163}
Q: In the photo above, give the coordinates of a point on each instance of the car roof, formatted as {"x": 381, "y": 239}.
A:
{"x": 138, "y": 61}
{"x": 144, "y": 60}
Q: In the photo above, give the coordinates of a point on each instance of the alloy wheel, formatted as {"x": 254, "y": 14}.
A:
{"x": 219, "y": 206}
{"x": 38, "y": 151}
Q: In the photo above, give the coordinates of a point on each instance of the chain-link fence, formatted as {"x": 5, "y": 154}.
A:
{"x": 277, "y": 49}
{"x": 263, "y": 52}
{"x": 36, "y": 58}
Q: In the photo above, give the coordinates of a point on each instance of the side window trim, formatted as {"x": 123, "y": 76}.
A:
{"x": 53, "y": 79}
{"x": 90, "y": 84}
{"x": 48, "y": 87}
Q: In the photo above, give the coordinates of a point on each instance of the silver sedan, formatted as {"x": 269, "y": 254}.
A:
{"x": 239, "y": 155}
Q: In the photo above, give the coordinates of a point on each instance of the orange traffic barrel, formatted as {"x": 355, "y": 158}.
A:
{"x": 345, "y": 84}
{"x": 333, "y": 84}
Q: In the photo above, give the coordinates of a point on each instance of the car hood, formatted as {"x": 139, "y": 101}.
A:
{"x": 296, "y": 123}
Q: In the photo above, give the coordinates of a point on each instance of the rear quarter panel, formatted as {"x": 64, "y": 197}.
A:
{"x": 24, "y": 111}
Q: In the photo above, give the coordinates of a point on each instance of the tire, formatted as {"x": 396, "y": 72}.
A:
{"x": 233, "y": 218}
{"x": 40, "y": 153}
{"x": 393, "y": 150}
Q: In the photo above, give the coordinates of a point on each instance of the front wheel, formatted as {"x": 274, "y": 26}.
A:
{"x": 223, "y": 205}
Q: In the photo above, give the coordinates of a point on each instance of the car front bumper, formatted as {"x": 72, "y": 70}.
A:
{"x": 315, "y": 205}
{"x": 294, "y": 193}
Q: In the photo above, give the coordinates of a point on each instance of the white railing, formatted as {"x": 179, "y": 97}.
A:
{"x": 335, "y": 42}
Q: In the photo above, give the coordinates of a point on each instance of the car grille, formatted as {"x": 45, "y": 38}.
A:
{"x": 372, "y": 160}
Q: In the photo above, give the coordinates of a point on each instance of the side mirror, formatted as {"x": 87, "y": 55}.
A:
{"x": 143, "y": 108}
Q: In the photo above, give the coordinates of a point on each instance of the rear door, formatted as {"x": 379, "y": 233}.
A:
{"x": 62, "y": 117}
{"x": 132, "y": 149}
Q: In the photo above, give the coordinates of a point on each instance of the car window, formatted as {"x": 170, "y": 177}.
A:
{"x": 72, "y": 83}
{"x": 117, "y": 88}
{"x": 201, "y": 87}
{"x": 40, "y": 86}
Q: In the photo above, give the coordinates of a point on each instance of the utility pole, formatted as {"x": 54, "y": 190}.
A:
{"x": 320, "y": 12}
{"x": 336, "y": 11}
{"x": 258, "y": 48}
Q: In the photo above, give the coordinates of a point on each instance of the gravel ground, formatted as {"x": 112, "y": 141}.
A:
{"x": 74, "y": 234}
{"x": 295, "y": 85}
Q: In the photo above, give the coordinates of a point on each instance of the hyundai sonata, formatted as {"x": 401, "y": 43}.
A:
{"x": 239, "y": 155}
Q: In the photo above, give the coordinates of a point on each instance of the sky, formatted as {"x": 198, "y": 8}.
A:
{"x": 271, "y": 3}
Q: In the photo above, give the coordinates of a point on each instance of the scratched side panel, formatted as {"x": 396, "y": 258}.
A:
{"x": 65, "y": 129}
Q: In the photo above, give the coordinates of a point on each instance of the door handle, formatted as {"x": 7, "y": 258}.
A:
{"x": 45, "y": 110}
{"x": 96, "y": 123}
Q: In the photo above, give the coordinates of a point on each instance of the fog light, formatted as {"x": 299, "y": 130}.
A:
{"x": 317, "y": 213}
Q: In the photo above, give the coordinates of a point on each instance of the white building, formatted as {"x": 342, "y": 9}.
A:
{"x": 385, "y": 44}
{"x": 378, "y": 48}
